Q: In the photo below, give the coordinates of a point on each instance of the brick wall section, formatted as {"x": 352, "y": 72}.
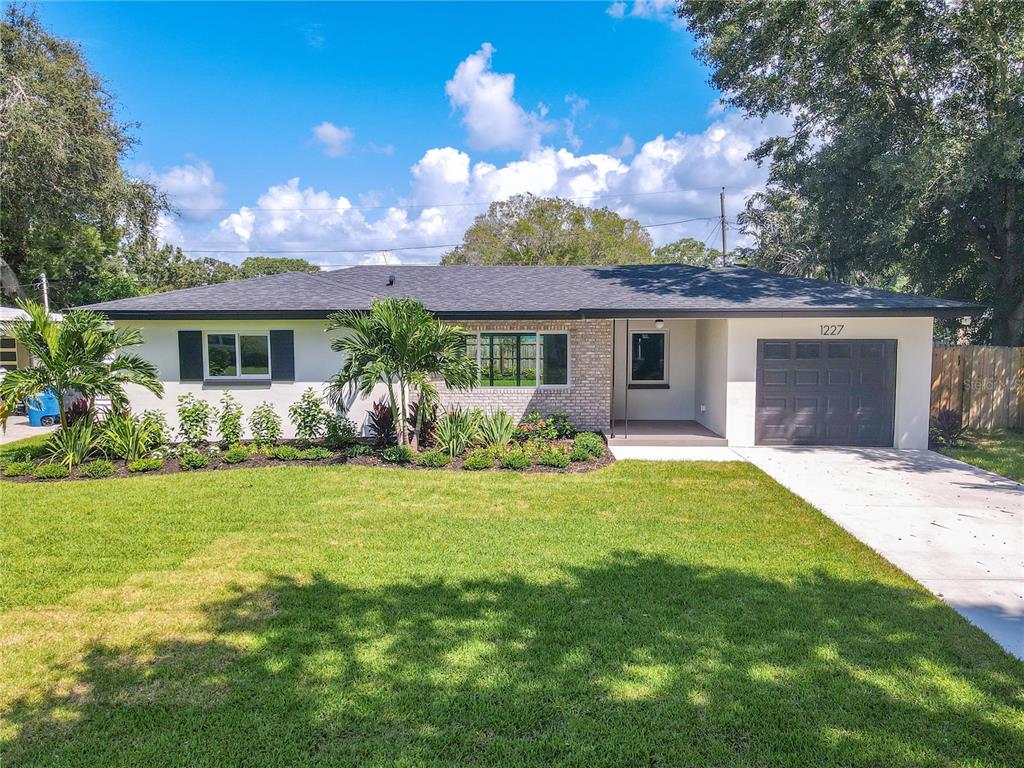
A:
{"x": 587, "y": 399}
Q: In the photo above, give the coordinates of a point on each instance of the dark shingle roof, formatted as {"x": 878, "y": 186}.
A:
{"x": 668, "y": 290}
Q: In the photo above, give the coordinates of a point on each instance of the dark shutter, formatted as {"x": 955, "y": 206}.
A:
{"x": 282, "y": 355}
{"x": 190, "y": 355}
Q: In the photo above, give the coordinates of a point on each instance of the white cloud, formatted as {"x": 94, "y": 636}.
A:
{"x": 490, "y": 113}
{"x": 381, "y": 149}
{"x": 667, "y": 179}
{"x": 616, "y": 10}
{"x": 577, "y": 105}
{"x": 625, "y": 148}
{"x": 654, "y": 10}
{"x": 335, "y": 140}
{"x": 190, "y": 188}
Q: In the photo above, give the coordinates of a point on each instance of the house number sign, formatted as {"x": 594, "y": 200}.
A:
{"x": 832, "y": 330}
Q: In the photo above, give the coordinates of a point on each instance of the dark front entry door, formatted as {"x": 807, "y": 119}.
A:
{"x": 817, "y": 392}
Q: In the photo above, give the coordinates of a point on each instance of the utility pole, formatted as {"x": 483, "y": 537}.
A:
{"x": 725, "y": 247}
{"x": 46, "y": 291}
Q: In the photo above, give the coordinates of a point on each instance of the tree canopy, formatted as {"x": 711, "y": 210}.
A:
{"x": 905, "y": 163}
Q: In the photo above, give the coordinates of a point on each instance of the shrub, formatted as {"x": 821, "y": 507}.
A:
{"x": 433, "y": 458}
{"x": 18, "y": 468}
{"x": 236, "y": 454}
{"x": 157, "y": 422}
{"x": 145, "y": 465}
{"x": 398, "y": 454}
{"x": 561, "y": 424}
{"x": 229, "y": 424}
{"x": 193, "y": 419}
{"x": 50, "y": 472}
{"x": 457, "y": 430}
{"x": 579, "y": 454}
{"x": 426, "y": 435}
{"x": 381, "y": 421}
{"x": 946, "y": 429}
{"x": 129, "y": 438}
{"x": 553, "y": 456}
{"x": 265, "y": 424}
{"x": 359, "y": 449}
{"x": 535, "y": 427}
{"x": 497, "y": 429}
{"x": 309, "y": 416}
{"x": 480, "y": 458}
{"x": 26, "y": 453}
{"x": 73, "y": 445}
{"x": 516, "y": 458}
{"x": 591, "y": 442}
{"x": 190, "y": 458}
{"x": 315, "y": 454}
{"x": 98, "y": 468}
{"x": 284, "y": 453}
{"x": 340, "y": 431}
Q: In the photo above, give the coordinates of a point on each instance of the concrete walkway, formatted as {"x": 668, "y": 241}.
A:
{"x": 18, "y": 428}
{"x": 956, "y": 529}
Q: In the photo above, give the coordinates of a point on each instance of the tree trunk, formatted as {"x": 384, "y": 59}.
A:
{"x": 393, "y": 405}
{"x": 419, "y": 422}
{"x": 403, "y": 432}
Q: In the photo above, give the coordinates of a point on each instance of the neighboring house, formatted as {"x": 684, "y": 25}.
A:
{"x": 12, "y": 354}
{"x": 652, "y": 353}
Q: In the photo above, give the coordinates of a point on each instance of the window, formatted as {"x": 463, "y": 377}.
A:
{"x": 647, "y": 358}
{"x": 8, "y": 352}
{"x": 238, "y": 355}
{"x": 520, "y": 359}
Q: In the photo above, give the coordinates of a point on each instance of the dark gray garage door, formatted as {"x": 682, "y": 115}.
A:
{"x": 812, "y": 392}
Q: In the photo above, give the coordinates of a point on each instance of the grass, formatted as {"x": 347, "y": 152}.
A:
{"x": 1001, "y": 452}
{"x": 644, "y": 614}
{"x": 25, "y": 443}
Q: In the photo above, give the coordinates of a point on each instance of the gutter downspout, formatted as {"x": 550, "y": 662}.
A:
{"x": 625, "y": 431}
{"x": 611, "y": 414}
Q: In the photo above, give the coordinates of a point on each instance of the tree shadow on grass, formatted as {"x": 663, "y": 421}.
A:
{"x": 636, "y": 661}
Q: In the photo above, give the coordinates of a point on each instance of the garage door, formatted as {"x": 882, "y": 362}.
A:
{"x": 812, "y": 392}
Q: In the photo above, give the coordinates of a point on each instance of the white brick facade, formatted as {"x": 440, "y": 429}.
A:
{"x": 588, "y": 397}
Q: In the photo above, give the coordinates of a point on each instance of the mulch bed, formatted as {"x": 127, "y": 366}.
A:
{"x": 171, "y": 466}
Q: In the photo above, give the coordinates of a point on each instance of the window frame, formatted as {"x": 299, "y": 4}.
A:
{"x": 662, "y": 382}
{"x": 207, "y": 376}
{"x": 478, "y": 335}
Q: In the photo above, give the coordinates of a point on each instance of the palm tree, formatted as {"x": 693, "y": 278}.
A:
{"x": 398, "y": 343}
{"x": 81, "y": 353}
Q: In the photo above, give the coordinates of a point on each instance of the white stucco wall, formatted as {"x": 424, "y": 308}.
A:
{"x": 913, "y": 337}
{"x": 711, "y": 364}
{"x": 676, "y": 402}
{"x": 315, "y": 363}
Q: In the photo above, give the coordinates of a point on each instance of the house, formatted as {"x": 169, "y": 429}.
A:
{"x": 650, "y": 353}
{"x": 12, "y": 354}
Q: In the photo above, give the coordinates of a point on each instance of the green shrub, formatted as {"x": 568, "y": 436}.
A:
{"x": 433, "y": 459}
{"x": 229, "y": 424}
{"x": 497, "y": 429}
{"x": 315, "y": 454}
{"x": 18, "y": 468}
{"x": 591, "y": 442}
{"x": 193, "y": 419}
{"x": 309, "y": 416}
{"x": 579, "y": 454}
{"x": 26, "y": 453}
{"x": 73, "y": 445}
{"x": 359, "y": 449}
{"x": 157, "y": 422}
{"x": 129, "y": 438}
{"x": 98, "y": 468}
{"x": 516, "y": 458}
{"x": 457, "y": 430}
{"x": 553, "y": 456}
{"x": 536, "y": 427}
{"x": 192, "y": 459}
{"x": 145, "y": 465}
{"x": 265, "y": 424}
{"x": 561, "y": 425}
{"x": 339, "y": 431}
{"x": 50, "y": 472}
{"x": 481, "y": 458}
{"x": 236, "y": 454}
{"x": 398, "y": 454}
{"x": 284, "y": 453}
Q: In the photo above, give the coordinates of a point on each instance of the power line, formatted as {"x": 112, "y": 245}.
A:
{"x": 259, "y": 251}
{"x": 445, "y": 205}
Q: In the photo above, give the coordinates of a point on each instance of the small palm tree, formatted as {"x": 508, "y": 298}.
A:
{"x": 398, "y": 343}
{"x": 81, "y": 353}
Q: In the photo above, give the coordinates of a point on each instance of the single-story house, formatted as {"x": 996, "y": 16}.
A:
{"x": 650, "y": 353}
{"x": 12, "y": 354}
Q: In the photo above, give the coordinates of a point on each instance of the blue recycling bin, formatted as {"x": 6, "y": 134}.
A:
{"x": 44, "y": 409}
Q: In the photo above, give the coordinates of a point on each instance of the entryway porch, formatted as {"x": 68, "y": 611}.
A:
{"x": 679, "y": 433}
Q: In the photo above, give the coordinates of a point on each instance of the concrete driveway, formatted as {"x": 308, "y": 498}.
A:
{"x": 18, "y": 428}
{"x": 956, "y": 529}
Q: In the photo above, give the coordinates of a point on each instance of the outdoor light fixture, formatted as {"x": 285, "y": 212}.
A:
{"x": 659, "y": 323}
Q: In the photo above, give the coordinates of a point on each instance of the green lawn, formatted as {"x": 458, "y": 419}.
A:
{"x": 1000, "y": 452}
{"x": 645, "y": 614}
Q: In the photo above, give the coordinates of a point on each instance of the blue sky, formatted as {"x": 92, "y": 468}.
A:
{"x": 318, "y": 127}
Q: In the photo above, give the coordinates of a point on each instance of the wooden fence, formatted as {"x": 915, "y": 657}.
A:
{"x": 985, "y": 385}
